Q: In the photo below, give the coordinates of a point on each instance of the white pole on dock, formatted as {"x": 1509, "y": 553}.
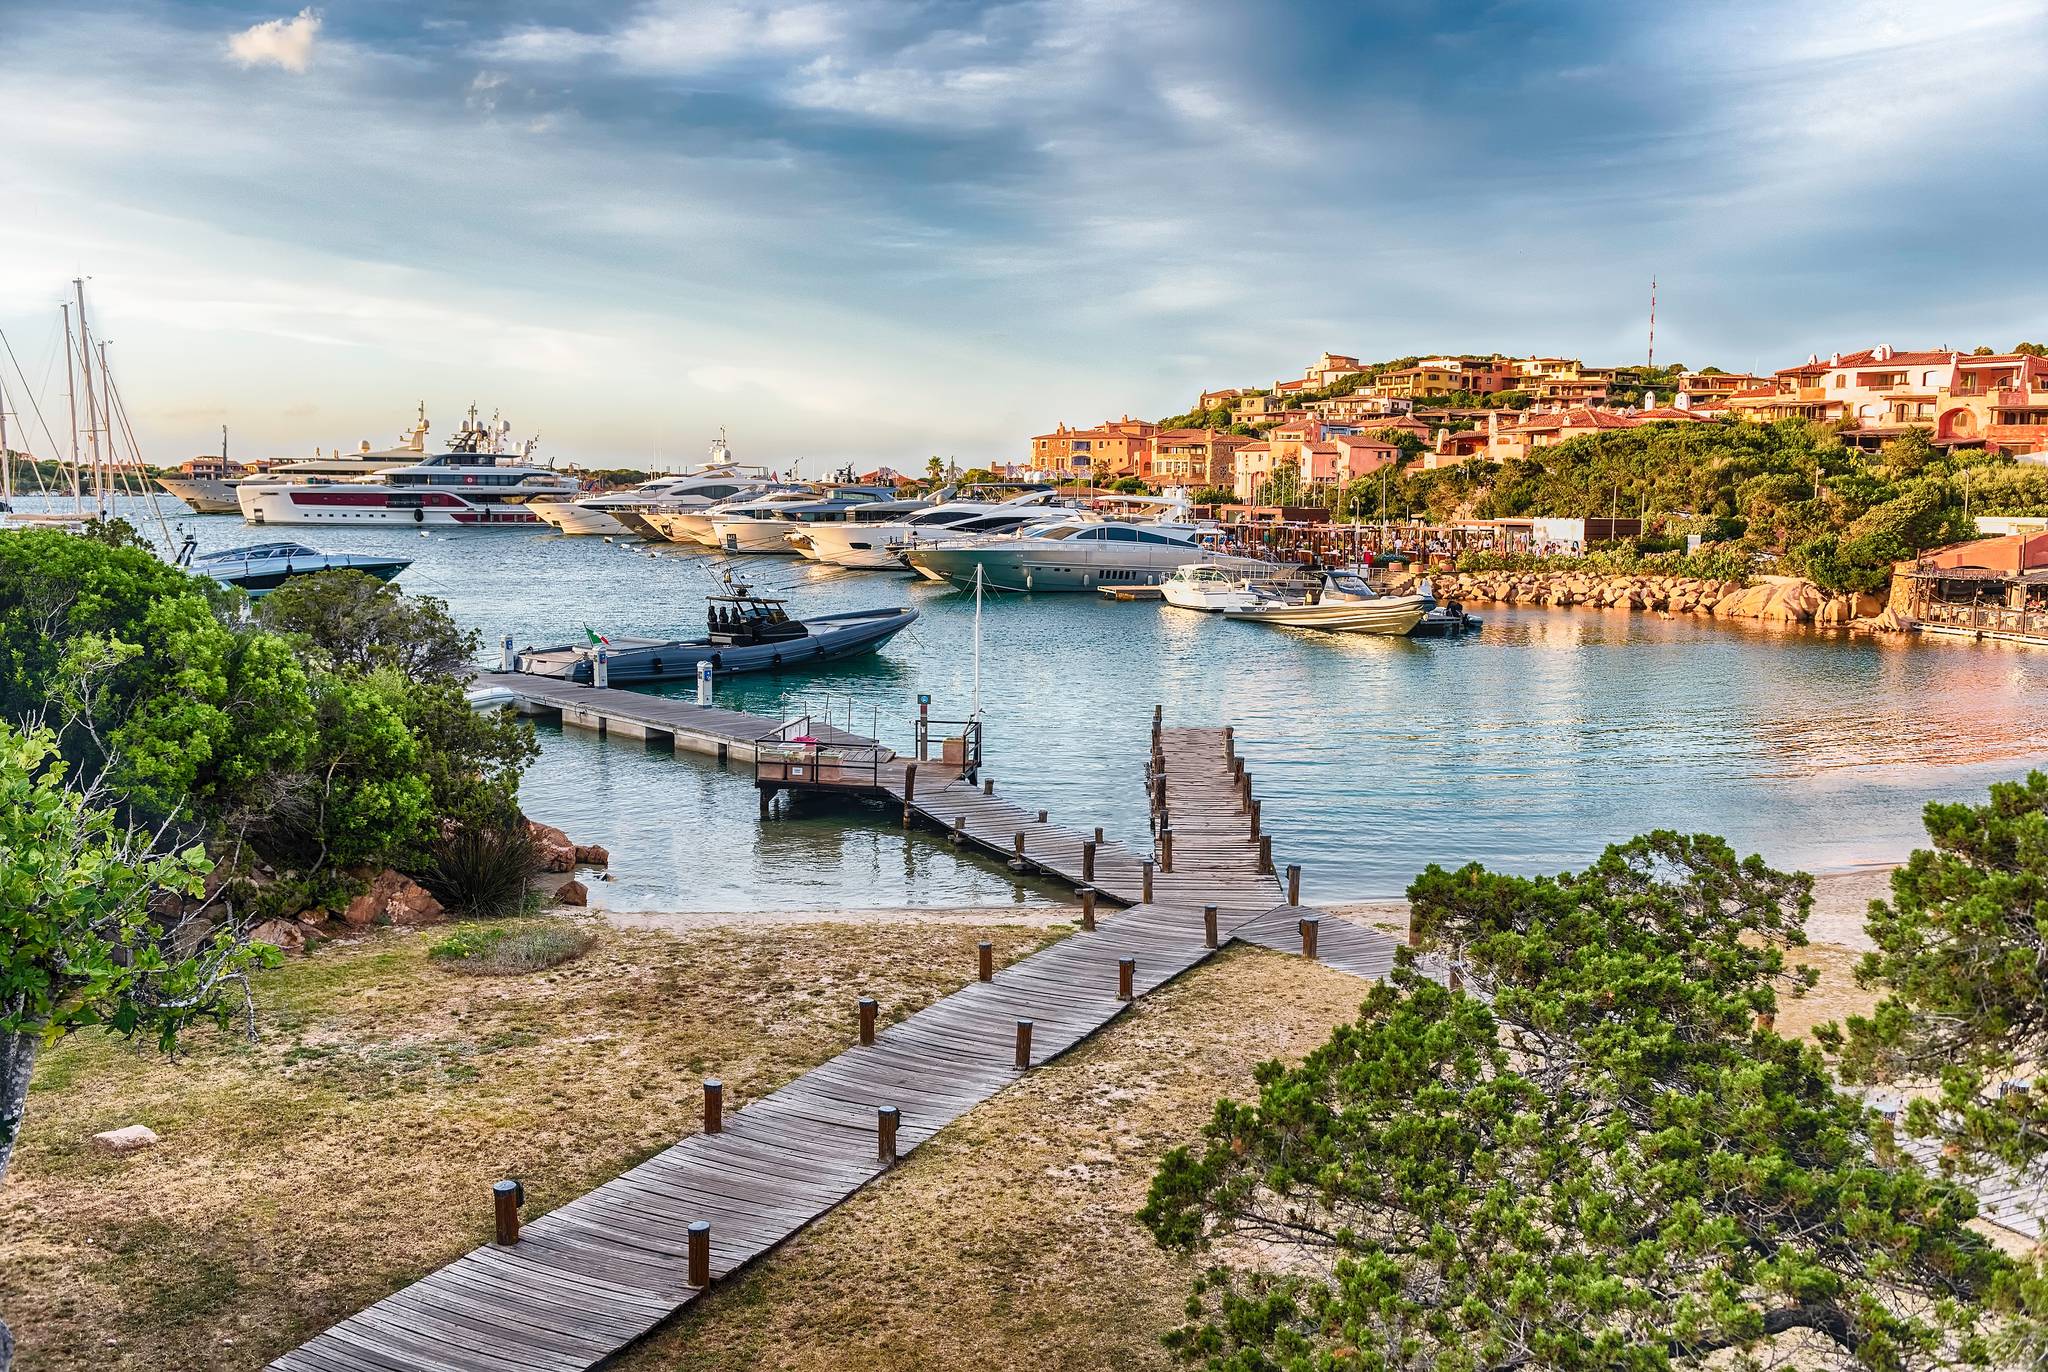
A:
{"x": 704, "y": 683}
{"x": 600, "y": 673}
{"x": 505, "y": 653}
{"x": 975, "y": 713}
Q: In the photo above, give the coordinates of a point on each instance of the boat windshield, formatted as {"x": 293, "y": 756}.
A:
{"x": 1056, "y": 531}
{"x": 259, "y": 550}
{"x": 1352, "y": 585}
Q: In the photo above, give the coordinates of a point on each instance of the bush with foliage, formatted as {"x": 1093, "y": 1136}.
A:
{"x": 1624, "y": 560}
{"x": 1600, "y": 1157}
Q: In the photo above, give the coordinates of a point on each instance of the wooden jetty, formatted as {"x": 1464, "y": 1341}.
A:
{"x": 583, "y": 1281}
{"x": 728, "y": 735}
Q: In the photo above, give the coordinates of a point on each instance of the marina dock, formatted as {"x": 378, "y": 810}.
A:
{"x": 582, "y": 1282}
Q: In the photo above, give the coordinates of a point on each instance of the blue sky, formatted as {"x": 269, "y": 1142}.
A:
{"x": 887, "y": 229}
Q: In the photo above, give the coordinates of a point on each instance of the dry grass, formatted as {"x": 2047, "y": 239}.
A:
{"x": 505, "y": 950}
{"x": 351, "y": 1148}
{"x": 1008, "y": 1241}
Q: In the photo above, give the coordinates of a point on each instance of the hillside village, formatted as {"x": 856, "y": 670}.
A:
{"x": 1342, "y": 419}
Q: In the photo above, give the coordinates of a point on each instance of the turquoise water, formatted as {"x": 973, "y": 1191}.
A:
{"x": 1527, "y": 749}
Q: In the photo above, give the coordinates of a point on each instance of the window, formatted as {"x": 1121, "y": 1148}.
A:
{"x": 1117, "y": 533}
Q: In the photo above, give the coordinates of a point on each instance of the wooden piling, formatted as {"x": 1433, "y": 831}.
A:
{"x": 1018, "y": 861}
{"x": 1126, "y": 973}
{"x": 1023, "y": 1044}
{"x": 988, "y": 786}
{"x": 1147, "y": 868}
{"x": 1266, "y": 853}
{"x": 886, "y": 1117}
{"x": 1087, "y": 894}
{"x": 1042, "y": 814}
{"x": 1208, "y": 926}
{"x": 1294, "y": 883}
{"x": 506, "y": 1198}
{"x": 700, "y": 1254}
{"x": 1255, "y": 818}
{"x": 985, "y": 960}
{"x": 714, "y": 1105}
{"x": 867, "y": 1020}
{"x": 1310, "y": 927}
{"x": 1230, "y": 743}
{"x": 1088, "y": 859}
{"x": 1166, "y": 849}
{"x": 909, "y": 790}
{"x": 959, "y": 828}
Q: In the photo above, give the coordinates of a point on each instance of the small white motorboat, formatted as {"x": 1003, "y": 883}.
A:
{"x": 1213, "y": 588}
{"x": 1343, "y": 604}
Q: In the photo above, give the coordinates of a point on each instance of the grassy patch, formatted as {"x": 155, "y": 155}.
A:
{"x": 350, "y": 1148}
{"x": 499, "y": 950}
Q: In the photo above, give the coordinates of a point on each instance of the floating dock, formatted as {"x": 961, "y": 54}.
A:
{"x": 592, "y": 1276}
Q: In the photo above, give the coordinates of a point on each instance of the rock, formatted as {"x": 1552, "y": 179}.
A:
{"x": 281, "y": 933}
{"x": 1864, "y": 605}
{"x": 393, "y": 898}
{"x": 557, "y": 853}
{"x": 572, "y": 892}
{"x": 592, "y": 855}
{"x": 127, "y": 1138}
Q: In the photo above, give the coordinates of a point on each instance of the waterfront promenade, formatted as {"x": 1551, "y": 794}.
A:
{"x": 593, "y": 1275}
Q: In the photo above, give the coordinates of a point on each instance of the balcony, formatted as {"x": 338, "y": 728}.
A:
{"x": 1811, "y": 395}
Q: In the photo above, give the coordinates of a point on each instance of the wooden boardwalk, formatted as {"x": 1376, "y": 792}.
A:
{"x": 603, "y": 1269}
{"x": 608, "y": 711}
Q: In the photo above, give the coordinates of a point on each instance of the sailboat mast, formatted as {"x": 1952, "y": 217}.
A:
{"x": 71, "y": 400}
{"x": 92, "y": 411}
{"x": 6, "y": 458}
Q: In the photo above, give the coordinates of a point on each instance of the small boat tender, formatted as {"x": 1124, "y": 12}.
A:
{"x": 1343, "y": 604}
{"x": 745, "y": 633}
{"x": 264, "y": 567}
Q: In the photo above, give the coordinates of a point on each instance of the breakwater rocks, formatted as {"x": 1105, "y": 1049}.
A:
{"x": 1784, "y": 599}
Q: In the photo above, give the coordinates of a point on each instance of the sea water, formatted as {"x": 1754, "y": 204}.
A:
{"x": 1528, "y": 748}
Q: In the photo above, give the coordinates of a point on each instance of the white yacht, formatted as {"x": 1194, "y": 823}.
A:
{"x": 761, "y": 526}
{"x": 1341, "y": 604}
{"x": 696, "y": 525}
{"x": 1078, "y": 555}
{"x": 625, "y": 513}
{"x": 477, "y": 482}
{"x": 879, "y": 545}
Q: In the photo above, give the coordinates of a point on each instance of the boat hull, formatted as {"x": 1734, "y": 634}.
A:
{"x": 1053, "y": 569}
{"x": 1394, "y": 616}
{"x": 638, "y": 661}
{"x": 261, "y": 582}
{"x": 753, "y": 536}
{"x": 570, "y": 517}
{"x": 205, "y": 494}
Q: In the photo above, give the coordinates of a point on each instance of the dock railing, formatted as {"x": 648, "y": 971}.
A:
{"x": 959, "y": 744}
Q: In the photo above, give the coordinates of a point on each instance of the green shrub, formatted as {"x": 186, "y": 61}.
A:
{"x": 1709, "y": 564}
{"x": 504, "y": 950}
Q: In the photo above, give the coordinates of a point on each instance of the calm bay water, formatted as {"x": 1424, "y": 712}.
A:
{"x": 1552, "y": 734}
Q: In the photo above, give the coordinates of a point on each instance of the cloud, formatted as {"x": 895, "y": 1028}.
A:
{"x": 286, "y": 43}
{"x": 677, "y": 38}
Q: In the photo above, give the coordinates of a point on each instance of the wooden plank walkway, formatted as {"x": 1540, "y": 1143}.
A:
{"x": 595, "y": 1274}
{"x": 609, "y": 710}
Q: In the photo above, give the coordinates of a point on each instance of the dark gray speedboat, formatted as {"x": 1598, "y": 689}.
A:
{"x": 747, "y": 633}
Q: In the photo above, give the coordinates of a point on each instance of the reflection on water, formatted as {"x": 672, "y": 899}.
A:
{"x": 1552, "y": 734}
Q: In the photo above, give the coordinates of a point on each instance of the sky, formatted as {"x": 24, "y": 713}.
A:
{"x": 884, "y": 230}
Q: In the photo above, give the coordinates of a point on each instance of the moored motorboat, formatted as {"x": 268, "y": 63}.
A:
{"x": 1342, "y": 604}
{"x": 1210, "y": 587}
{"x": 263, "y": 567}
{"x": 1076, "y": 555}
{"x": 745, "y": 633}
{"x": 764, "y": 527}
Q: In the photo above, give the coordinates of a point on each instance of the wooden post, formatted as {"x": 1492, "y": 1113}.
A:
{"x": 959, "y": 828}
{"x": 1244, "y": 791}
{"x": 1019, "y": 841}
{"x": 1148, "y": 879}
{"x": 985, "y": 959}
{"x": 1126, "y": 972}
{"x": 1294, "y": 883}
{"x": 1088, "y": 859}
{"x": 1023, "y": 1044}
{"x": 506, "y": 1198}
{"x": 1255, "y": 818}
{"x": 767, "y": 795}
{"x": 1166, "y": 849}
{"x": 867, "y": 1020}
{"x": 714, "y": 1105}
{"x": 1310, "y": 927}
{"x": 988, "y": 786}
{"x": 700, "y": 1254}
{"x": 1041, "y": 816}
{"x": 1087, "y": 895}
{"x": 1229, "y": 743}
{"x": 886, "y": 1117}
{"x": 1208, "y": 926}
{"x": 1265, "y": 853}
{"x": 1098, "y": 834}
{"x": 909, "y": 790}
{"x": 1158, "y": 715}
{"x": 1159, "y": 793}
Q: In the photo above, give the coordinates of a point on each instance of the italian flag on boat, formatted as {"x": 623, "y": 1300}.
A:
{"x": 596, "y": 637}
